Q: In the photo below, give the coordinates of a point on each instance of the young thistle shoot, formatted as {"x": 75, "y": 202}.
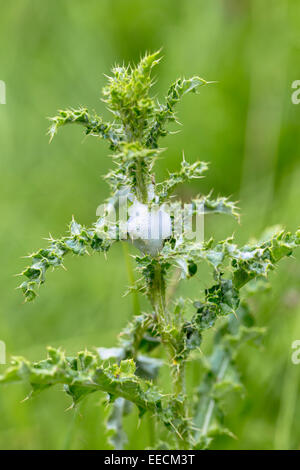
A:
{"x": 127, "y": 373}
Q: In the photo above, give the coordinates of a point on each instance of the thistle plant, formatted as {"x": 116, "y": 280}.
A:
{"x": 172, "y": 329}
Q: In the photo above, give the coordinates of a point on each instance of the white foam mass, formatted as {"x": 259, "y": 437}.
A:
{"x": 148, "y": 228}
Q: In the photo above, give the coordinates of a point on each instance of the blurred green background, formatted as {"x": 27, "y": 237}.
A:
{"x": 53, "y": 55}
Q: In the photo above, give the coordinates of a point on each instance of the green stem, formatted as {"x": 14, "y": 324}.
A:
{"x": 130, "y": 272}
{"x": 177, "y": 369}
{"x": 179, "y": 379}
{"x": 141, "y": 186}
{"x": 159, "y": 294}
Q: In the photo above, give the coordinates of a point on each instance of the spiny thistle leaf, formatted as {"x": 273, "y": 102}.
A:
{"x": 221, "y": 205}
{"x": 165, "y": 113}
{"x": 139, "y": 335}
{"x": 258, "y": 259}
{"x": 247, "y": 263}
{"x": 93, "y": 124}
{"x": 77, "y": 242}
{"x": 86, "y": 374}
{"x": 187, "y": 172}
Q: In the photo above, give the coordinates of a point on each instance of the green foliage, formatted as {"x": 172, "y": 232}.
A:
{"x": 127, "y": 97}
{"x": 221, "y": 376}
{"x": 114, "y": 424}
{"x": 86, "y": 373}
{"x": 186, "y": 173}
{"x": 93, "y": 124}
{"x": 77, "y": 242}
{"x": 127, "y": 372}
{"x": 166, "y": 113}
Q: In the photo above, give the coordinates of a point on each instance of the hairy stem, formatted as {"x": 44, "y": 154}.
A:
{"x": 159, "y": 295}
{"x": 130, "y": 272}
{"x": 177, "y": 370}
{"x": 141, "y": 184}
